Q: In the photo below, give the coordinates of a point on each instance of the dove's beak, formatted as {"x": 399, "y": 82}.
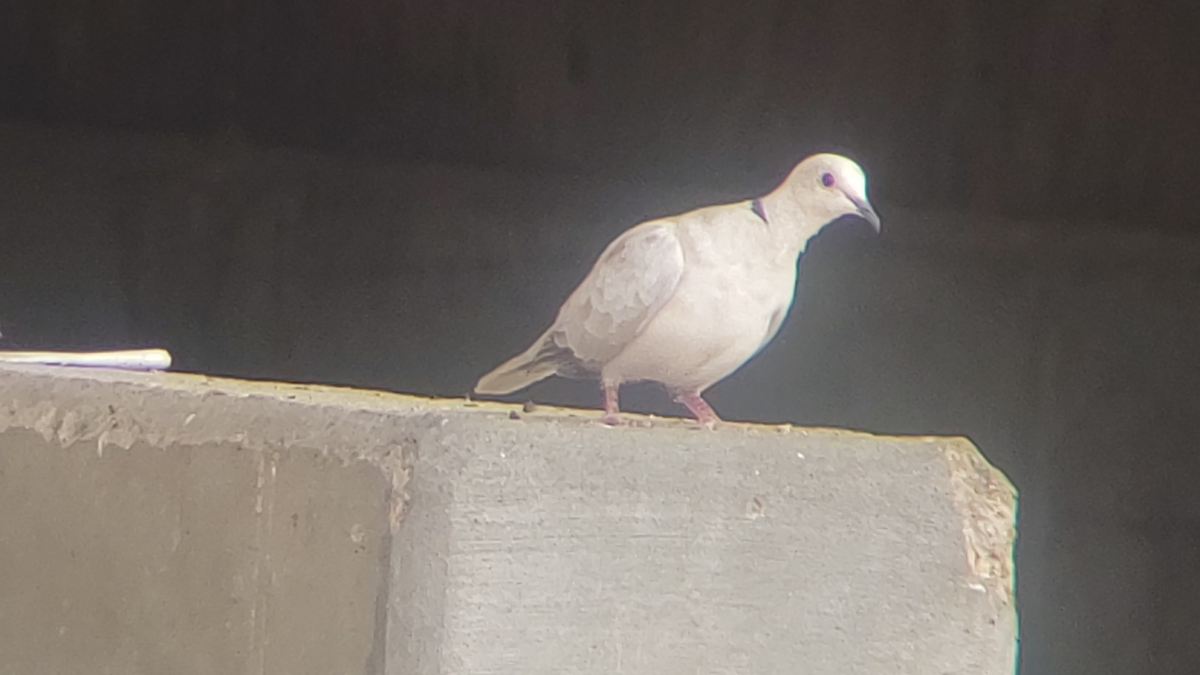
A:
{"x": 865, "y": 211}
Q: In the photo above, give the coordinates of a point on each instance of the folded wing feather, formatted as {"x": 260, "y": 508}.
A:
{"x": 630, "y": 282}
{"x": 634, "y": 277}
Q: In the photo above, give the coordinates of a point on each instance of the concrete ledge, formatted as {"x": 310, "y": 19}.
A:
{"x": 156, "y": 523}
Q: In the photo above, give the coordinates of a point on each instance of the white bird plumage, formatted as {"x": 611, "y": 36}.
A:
{"x": 686, "y": 300}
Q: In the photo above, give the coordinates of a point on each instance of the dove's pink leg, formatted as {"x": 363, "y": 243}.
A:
{"x": 698, "y": 406}
{"x": 610, "y": 404}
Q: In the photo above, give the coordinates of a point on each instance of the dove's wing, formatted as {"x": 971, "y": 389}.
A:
{"x": 634, "y": 277}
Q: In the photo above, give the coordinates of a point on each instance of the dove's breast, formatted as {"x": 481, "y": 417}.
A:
{"x": 729, "y": 303}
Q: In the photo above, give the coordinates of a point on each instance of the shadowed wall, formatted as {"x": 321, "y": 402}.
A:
{"x": 1067, "y": 108}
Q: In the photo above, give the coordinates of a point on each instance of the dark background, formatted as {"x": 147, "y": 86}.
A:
{"x": 398, "y": 194}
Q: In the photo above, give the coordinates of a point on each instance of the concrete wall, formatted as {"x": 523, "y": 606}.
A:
{"x": 1063, "y": 350}
{"x": 168, "y": 523}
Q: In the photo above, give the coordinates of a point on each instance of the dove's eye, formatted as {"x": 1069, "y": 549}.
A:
{"x": 827, "y": 179}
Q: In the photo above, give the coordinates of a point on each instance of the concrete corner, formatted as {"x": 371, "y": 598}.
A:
{"x": 173, "y": 523}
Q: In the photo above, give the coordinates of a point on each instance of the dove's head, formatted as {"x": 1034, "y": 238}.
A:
{"x": 826, "y": 187}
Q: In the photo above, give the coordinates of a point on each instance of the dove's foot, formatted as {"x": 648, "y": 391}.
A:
{"x": 610, "y": 405}
{"x": 700, "y": 408}
{"x": 611, "y": 420}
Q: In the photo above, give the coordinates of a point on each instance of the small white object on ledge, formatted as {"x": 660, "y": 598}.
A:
{"x": 130, "y": 359}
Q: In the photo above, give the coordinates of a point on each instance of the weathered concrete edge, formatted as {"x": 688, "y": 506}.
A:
{"x": 347, "y": 425}
{"x": 365, "y": 426}
{"x": 987, "y": 502}
{"x": 347, "y": 400}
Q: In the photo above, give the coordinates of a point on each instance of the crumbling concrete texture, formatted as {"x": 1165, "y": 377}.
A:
{"x": 168, "y": 523}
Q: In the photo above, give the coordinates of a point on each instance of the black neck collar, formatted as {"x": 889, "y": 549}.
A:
{"x": 757, "y": 207}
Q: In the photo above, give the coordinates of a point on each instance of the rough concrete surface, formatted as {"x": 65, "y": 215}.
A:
{"x": 169, "y": 523}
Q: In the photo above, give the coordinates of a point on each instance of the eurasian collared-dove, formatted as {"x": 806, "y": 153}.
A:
{"x": 686, "y": 300}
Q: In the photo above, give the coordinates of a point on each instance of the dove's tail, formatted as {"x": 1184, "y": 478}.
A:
{"x": 536, "y": 363}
